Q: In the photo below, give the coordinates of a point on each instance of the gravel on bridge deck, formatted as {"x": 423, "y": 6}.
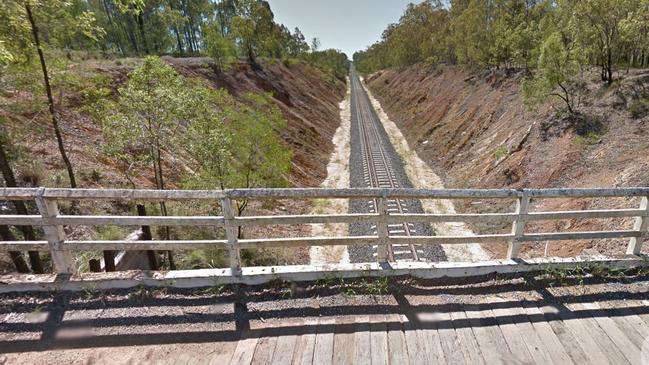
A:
{"x": 495, "y": 322}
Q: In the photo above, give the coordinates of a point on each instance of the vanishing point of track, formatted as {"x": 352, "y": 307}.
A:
{"x": 379, "y": 173}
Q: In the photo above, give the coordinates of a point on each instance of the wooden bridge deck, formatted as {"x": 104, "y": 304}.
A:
{"x": 504, "y": 322}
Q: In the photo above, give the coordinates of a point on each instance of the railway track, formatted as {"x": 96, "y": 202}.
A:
{"x": 378, "y": 172}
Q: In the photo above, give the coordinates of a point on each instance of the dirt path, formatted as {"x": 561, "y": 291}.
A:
{"x": 422, "y": 176}
{"x": 337, "y": 177}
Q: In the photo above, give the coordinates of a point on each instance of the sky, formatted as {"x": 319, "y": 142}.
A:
{"x": 347, "y": 25}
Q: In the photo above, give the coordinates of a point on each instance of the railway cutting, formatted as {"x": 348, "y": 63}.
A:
{"x": 374, "y": 163}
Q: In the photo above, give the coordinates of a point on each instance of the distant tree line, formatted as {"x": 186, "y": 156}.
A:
{"x": 512, "y": 34}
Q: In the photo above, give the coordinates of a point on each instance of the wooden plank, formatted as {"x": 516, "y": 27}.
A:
{"x": 324, "y": 342}
{"x": 264, "y": 350}
{"x": 487, "y": 333}
{"x": 533, "y": 343}
{"x": 363, "y": 352}
{"x": 449, "y": 340}
{"x": 627, "y": 348}
{"x": 245, "y": 350}
{"x": 546, "y": 335}
{"x": 601, "y": 339}
{"x": 570, "y": 343}
{"x": 626, "y": 321}
{"x": 379, "y": 340}
{"x": 344, "y": 341}
{"x": 635, "y": 320}
{"x": 580, "y": 331}
{"x": 284, "y": 350}
{"x": 415, "y": 345}
{"x": 637, "y": 309}
{"x": 397, "y": 351}
{"x": 221, "y": 353}
{"x": 305, "y": 346}
{"x": 429, "y": 336}
{"x": 513, "y": 335}
{"x": 469, "y": 345}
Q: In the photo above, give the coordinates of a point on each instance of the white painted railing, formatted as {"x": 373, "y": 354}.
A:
{"x": 61, "y": 248}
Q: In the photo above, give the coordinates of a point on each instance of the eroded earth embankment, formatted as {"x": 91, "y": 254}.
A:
{"x": 475, "y": 132}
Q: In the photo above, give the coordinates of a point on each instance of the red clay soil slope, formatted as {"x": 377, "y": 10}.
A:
{"x": 307, "y": 97}
{"x": 474, "y": 130}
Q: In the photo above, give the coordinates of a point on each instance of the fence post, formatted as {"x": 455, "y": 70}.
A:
{"x": 61, "y": 258}
{"x": 518, "y": 226}
{"x": 641, "y": 224}
{"x": 382, "y": 231}
{"x": 231, "y": 235}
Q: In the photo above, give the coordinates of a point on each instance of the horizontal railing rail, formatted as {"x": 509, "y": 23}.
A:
{"x": 61, "y": 248}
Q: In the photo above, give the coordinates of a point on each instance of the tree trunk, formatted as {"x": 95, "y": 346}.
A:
{"x": 50, "y": 99}
{"x": 16, "y": 257}
{"x": 140, "y": 24}
{"x": 180, "y": 43}
{"x": 27, "y": 231}
{"x": 609, "y": 66}
{"x": 163, "y": 206}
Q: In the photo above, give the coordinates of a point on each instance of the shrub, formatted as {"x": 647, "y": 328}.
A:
{"x": 639, "y": 108}
{"x": 501, "y": 152}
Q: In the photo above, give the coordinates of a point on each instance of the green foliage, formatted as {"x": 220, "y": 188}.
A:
{"x": 201, "y": 259}
{"x": 554, "y": 75}
{"x": 221, "y": 49}
{"x": 588, "y": 139}
{"x": 331, "y": 61}
{"x": 145, "y": 119}
{"x": 512, "y": 34}
{"x": 501, "y": 152}
{"x": 237, "y": 144}
{"x": 639, "y": 108}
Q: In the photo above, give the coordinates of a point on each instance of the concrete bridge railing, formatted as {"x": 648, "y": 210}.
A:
{"x": 60, "y": 248}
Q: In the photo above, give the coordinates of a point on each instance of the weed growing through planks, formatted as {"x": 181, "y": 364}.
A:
{"x": 142, "y": 293}
{"x": 89, "y": 291}
{"x": 378, "y": 286}
{"x": 347, "y": 289}
{"x": 215, "y": 290}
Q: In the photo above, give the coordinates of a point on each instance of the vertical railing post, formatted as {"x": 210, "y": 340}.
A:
{"x": 231, "y": 235}
{"x": 518, "y": 227}
{"x": 641, "y": 225}
{"x": 382, "y": 230}
{"x": 61, "y": 258}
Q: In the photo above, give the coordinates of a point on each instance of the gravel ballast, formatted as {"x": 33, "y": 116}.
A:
{"x": 367, "y": 253}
